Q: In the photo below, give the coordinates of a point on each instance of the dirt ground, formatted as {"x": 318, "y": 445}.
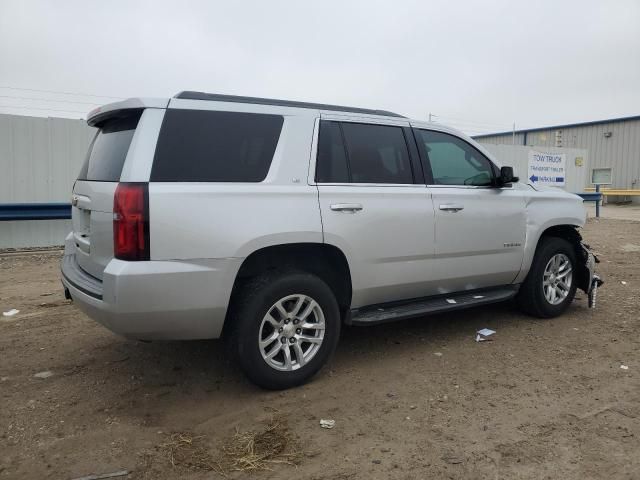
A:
{"x": 412, "y": 400}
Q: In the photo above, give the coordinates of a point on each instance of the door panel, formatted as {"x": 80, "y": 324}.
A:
{"x": 480, "y": 229}
{"x": 480, "y": 242}
{"x": 387, "y": 234}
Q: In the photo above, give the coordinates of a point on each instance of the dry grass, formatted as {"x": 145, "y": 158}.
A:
{"x": 188, "y": 451}
{"x": 251, "y": 451}
{"x": 245, "y": 452}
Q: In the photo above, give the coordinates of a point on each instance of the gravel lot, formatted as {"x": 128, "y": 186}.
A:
{"x": 416, "y": 399}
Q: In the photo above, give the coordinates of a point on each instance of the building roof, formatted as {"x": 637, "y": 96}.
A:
{"x": 215, "y": 97}
{"x": 558, "y": 127}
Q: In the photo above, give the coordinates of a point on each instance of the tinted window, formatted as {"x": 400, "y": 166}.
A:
{"x": 453, "y": 161}
{"x": 331, "y": 164}
{"x": 108, "y": 150}
{"x": 377, "y": 154}
{"x": 206, "y": 146}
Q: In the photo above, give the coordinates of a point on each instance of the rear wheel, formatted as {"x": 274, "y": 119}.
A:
{"x": 286, "y": 326}
{"x": 550, "y": 285}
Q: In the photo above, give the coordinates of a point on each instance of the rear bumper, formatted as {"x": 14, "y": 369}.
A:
{"x": 155, "y": 300}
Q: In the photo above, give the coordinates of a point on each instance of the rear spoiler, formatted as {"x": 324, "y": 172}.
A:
{"x": 98, "y": 115}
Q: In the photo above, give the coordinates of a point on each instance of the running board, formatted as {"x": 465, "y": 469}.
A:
{"x": 426, "y": 306}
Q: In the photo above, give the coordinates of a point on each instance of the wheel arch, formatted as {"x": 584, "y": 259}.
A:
{"x": 569, "y": 232}
{"x": 562, "y": 228}
{"x": 326, "y": 261}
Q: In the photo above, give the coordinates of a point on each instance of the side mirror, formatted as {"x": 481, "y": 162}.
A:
{"x": 506, "y": 176}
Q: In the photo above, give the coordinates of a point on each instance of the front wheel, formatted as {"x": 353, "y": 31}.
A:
{"x": 286, "y": 326}
{"x": 551, "y": 284}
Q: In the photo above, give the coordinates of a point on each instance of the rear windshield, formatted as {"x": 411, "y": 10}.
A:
{"x": 212, "y": 146}
{"x": 109, "y": 148}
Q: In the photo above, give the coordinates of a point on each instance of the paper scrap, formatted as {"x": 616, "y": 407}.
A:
{"x": 10, "y": 313}
{"x": 486, "y": 332}
{"x": 327, "y": 423}
{"x": 624, "y": 367}
{"x": 483, "y": 334}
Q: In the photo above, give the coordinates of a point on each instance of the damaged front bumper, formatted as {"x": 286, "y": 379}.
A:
{"x": 588, "y": 279}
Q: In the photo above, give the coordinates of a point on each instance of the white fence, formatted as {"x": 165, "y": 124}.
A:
{"x": 39, "y": 160}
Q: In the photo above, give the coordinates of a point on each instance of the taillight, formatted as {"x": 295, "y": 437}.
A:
{"x": 131, "y": 221}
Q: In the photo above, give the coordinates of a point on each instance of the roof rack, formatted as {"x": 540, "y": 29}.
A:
{"x": 215, "y": 97}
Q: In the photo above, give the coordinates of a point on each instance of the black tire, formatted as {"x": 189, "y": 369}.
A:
{"x": 531, "y": 297}
{"x": 254, "y": 301}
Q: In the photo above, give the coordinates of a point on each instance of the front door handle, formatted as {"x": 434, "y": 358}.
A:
{"x": 450, "y": 207}
{"x": 346, "y": 207}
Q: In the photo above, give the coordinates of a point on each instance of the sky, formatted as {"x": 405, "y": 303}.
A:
{"x": 480, "y": 66}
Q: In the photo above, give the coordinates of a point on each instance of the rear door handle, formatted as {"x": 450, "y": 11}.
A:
{"x": 450, "y": 207}
{"x": 346, "y": 207}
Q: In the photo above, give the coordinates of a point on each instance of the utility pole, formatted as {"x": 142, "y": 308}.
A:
{"x": 513, "y": 137}
{"x": 431, "y": 115}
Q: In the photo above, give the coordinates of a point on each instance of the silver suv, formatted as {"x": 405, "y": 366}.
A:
{"x": 273, "y": 222}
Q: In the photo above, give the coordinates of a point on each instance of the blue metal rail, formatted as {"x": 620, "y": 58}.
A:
{"x": 592, "y": 197}
{"x": 34, "y": 211}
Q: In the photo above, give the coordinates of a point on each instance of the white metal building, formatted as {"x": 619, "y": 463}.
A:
{"x": 613, "y": 143}
{"x": 39, "y": 160}
{"x": 517, "y": 156}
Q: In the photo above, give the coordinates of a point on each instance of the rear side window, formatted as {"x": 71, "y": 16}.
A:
{"x": 109, "y": 148}
{"x": 368, "y": 154}
{"x": 211, "y": 146}
{"x": 332, "y": 159}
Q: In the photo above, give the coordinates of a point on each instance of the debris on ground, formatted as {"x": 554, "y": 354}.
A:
{"x": 452, "y": 459}
{"x": 623, "y": 282}
{"x": 120, "y": 473}
{"x": 251, "y": 451}
{"x": 438, "y": 354}
{"x": 624, "y": 367}
{"x": 244, "y": 452}
{"x": 45, "y": 374}
{"x": 327, "y": 423}
{"x": 10, "y": 313}
{"x": 482, "y": 335}
{"x": 186, "y": 450}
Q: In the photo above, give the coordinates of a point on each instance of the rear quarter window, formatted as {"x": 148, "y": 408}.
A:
{"x": 213, "y": 146}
